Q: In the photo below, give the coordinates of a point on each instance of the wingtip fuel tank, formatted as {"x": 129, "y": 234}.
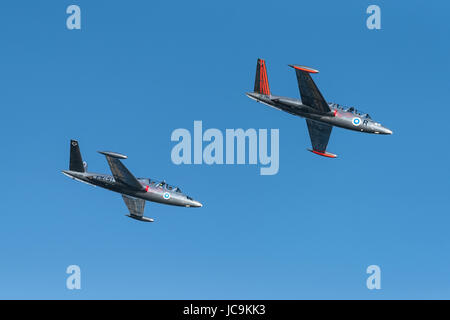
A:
{"x": 113, "y": 154}
{"x": 143, "y": 219}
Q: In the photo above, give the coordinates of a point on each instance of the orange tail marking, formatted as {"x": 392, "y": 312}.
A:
{"x": 264, "y": 83}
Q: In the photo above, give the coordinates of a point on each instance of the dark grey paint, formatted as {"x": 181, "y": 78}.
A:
{"x": 134, "y": 191}
{"x": 321, "y": 116}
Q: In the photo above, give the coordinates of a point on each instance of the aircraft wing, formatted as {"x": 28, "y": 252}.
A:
{"x": 120, "y": 172}
{"x": 319, "y": 134}
{"x": 135, "y": 206}
{"x": 309, "y": 92}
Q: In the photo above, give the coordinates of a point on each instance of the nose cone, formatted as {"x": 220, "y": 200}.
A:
{"x": 196, "y": 204}
{"x": 386, "y": 131}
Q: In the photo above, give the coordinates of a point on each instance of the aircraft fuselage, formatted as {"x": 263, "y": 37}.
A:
{"x": 338, "y": 117}
{"x": 153, "y": 192}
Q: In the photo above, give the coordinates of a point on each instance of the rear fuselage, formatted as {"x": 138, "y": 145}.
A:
{"x": 338, "y": 116}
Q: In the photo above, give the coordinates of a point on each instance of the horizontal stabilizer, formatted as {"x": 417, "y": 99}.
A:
{"x": 72, "y": 175}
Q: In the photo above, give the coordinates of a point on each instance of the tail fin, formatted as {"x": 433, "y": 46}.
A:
{"x": 76, "y": 162}
{"x": 261, "y": 81}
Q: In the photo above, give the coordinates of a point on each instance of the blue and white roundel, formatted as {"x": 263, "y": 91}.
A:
{"x": 166, "y": 195}
{"x": 356, "y": 121}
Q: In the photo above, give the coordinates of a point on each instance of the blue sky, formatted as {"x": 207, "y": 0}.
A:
{"x": 137, "y": 70}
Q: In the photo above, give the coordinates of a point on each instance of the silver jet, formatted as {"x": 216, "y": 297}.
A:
{"x": 320, "y": 115}
{"x": 135, "y": 191}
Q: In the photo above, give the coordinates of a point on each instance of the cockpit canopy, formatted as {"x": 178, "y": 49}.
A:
{"x": 350, "y": 109}
{"x": 160, "y": 184}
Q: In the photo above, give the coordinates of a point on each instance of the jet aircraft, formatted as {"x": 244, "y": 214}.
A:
{"x": 135, "y": 191}
{"x": 320, "y": 115}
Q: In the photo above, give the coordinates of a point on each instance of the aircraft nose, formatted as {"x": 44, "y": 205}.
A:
{"x": 197, "y": 204}
{"x": 387, "y": 131}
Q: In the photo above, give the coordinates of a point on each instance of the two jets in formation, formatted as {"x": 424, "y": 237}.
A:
{"x": 321, "y": 116}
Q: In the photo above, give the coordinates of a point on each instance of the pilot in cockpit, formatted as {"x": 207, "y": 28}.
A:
{"x": 161, "y": 184}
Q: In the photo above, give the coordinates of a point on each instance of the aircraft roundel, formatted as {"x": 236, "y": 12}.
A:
{"x": 166, "y": 195}
{"x": 356, "y": 121}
